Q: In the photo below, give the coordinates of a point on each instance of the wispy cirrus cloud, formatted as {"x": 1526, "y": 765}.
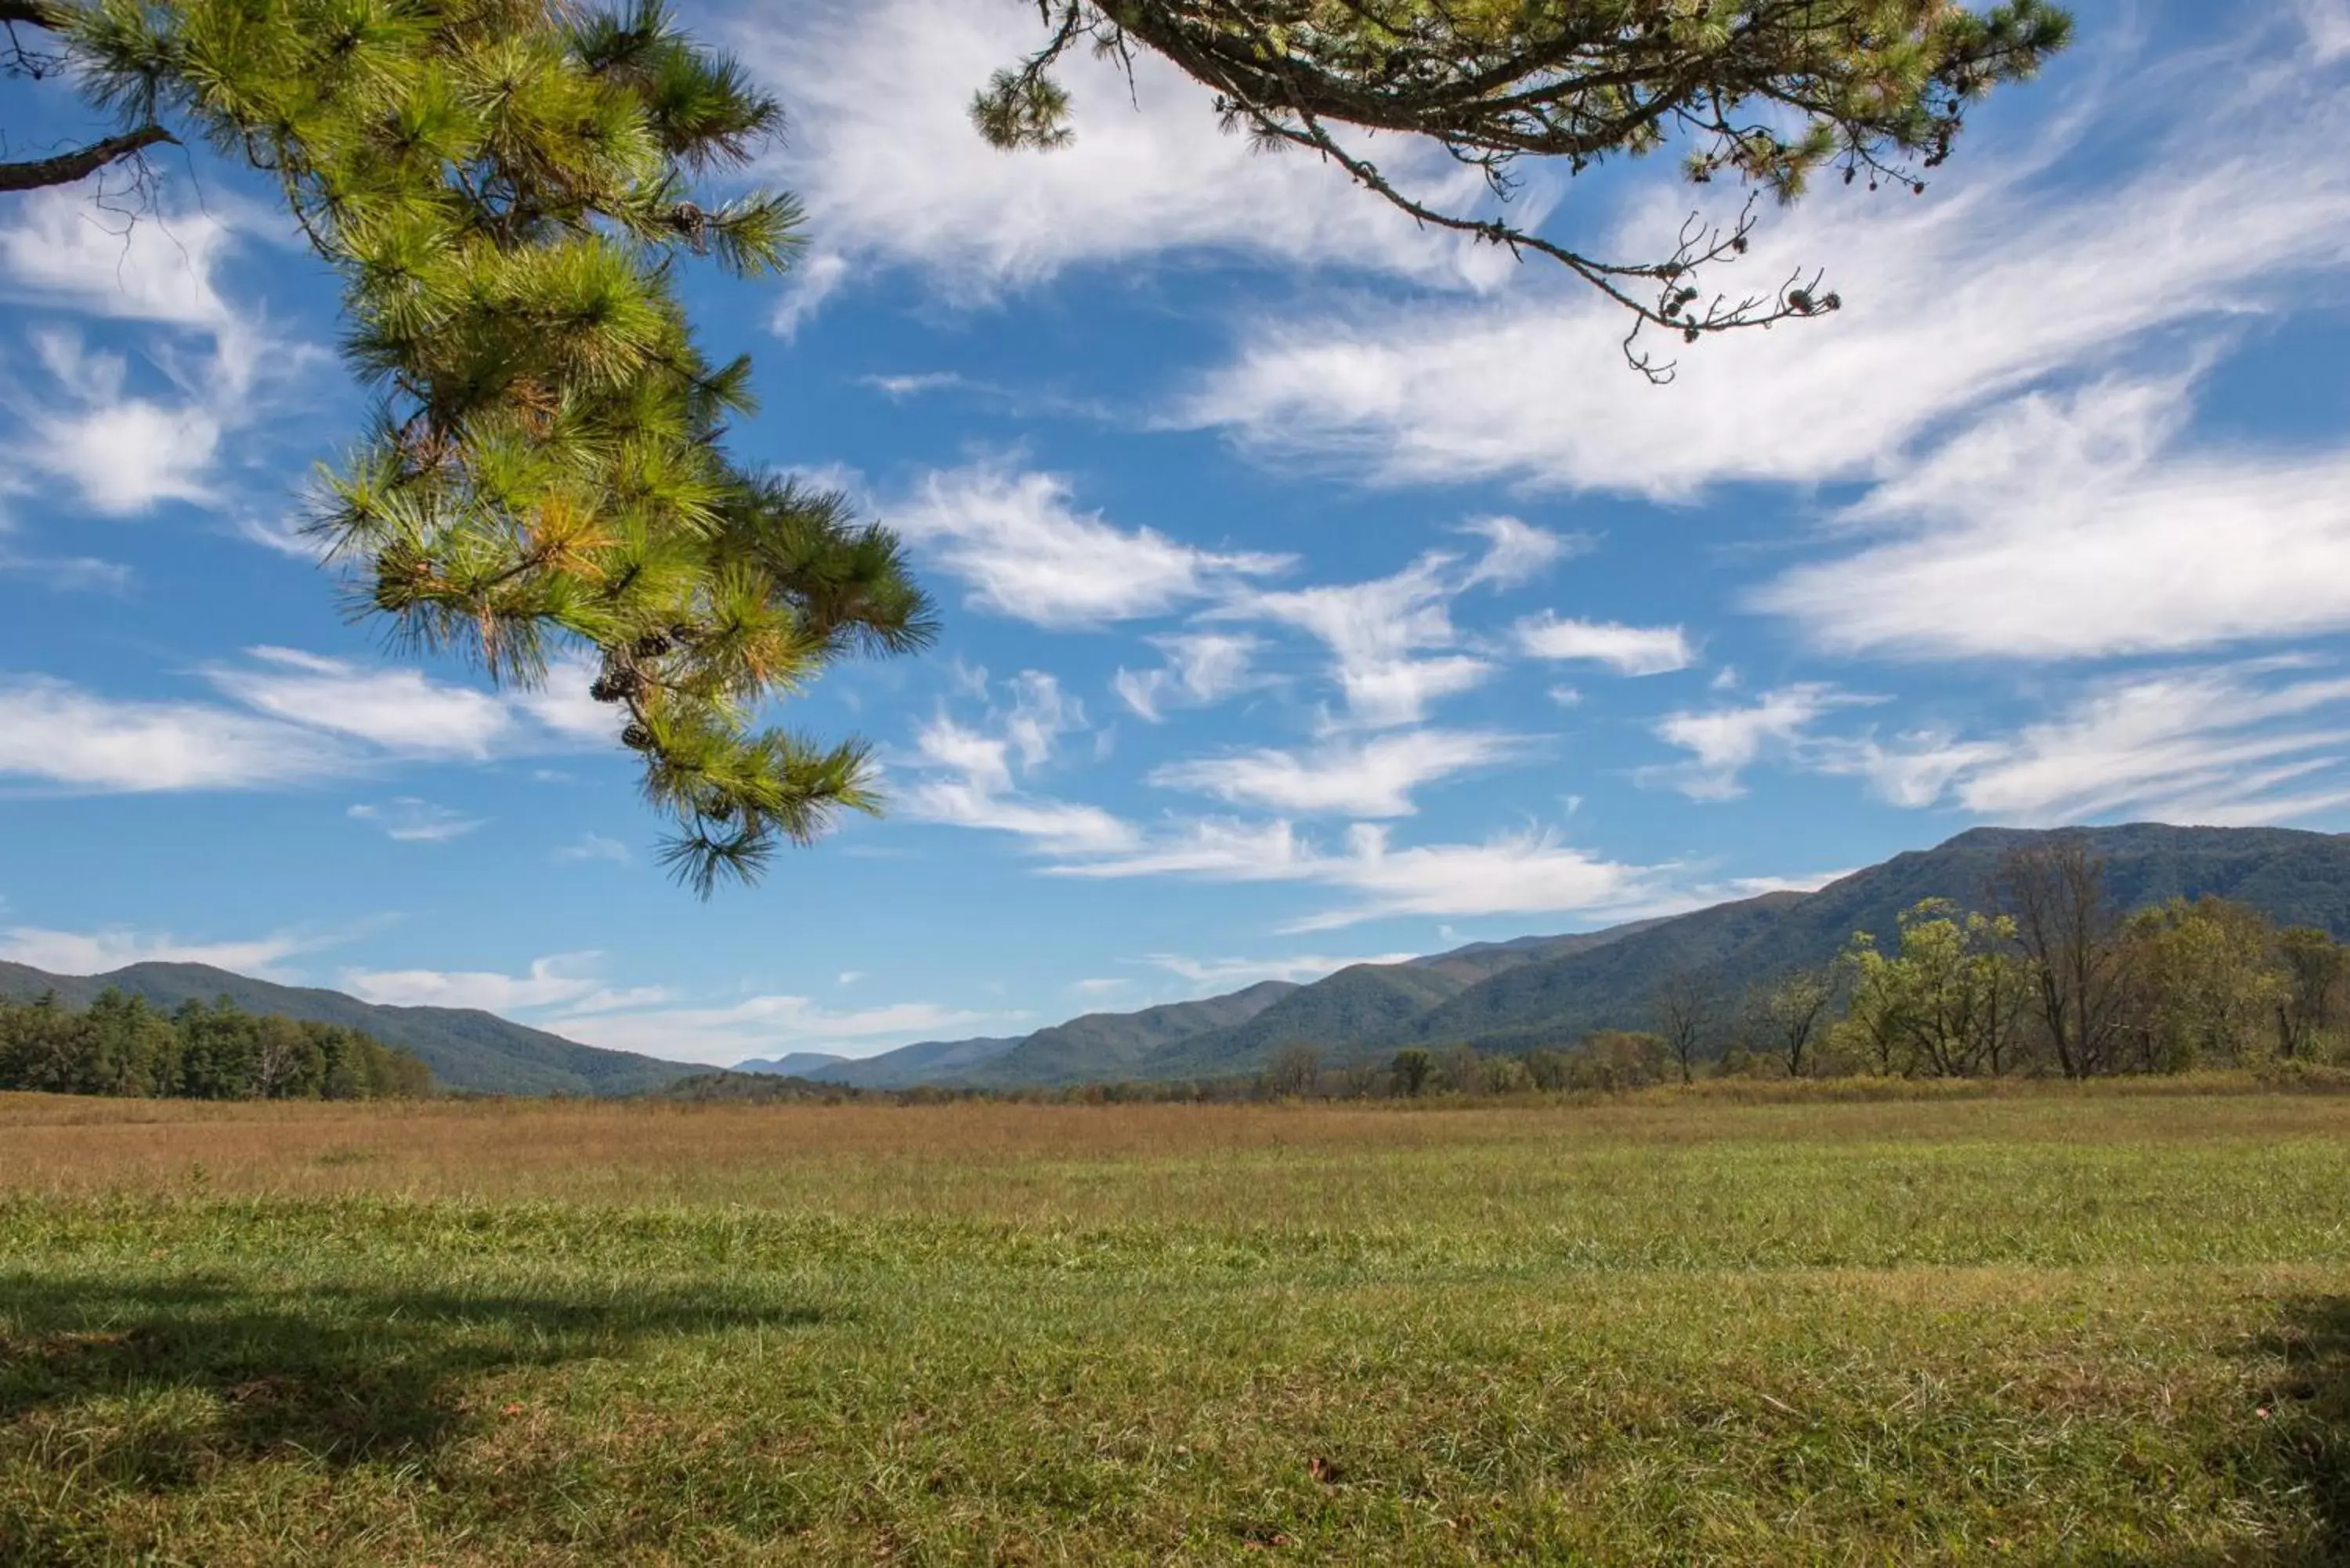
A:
{"x": 292, "y": 717}
{"x": 1200, "y": 670}
{"x": 1374, "y": 777}
{"x": 2069, "y": 527}
{"x": 410, "y": 820}
{"x": 1027, "y": 552}
{"x": 1626, "y": 649}
{"x": 2236, "y": 744}
{"x": 1724, "y": 741}
{"x": 2008, "y": 271}
{"x": 117, "y": 947}
{"x": 885, "y": 150}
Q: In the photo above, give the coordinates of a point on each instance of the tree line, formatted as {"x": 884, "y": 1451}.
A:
{"x": 122, "y": 1045}
{"x": 2049, "y": 978}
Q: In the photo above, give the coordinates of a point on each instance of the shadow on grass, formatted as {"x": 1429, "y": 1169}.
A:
{"x": 340, "y": 1375}
{"x": 2307, "y": 1418}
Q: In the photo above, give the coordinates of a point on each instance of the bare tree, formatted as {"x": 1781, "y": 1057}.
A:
{"x": 1687, "y": 1002}
{"x": 1788, "y": 1016}
{"x": 2055, "y": 890}
{"x": 1295, "y": 1071}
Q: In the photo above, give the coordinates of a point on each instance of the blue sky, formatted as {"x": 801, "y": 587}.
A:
{"x": 1315, "y": 589}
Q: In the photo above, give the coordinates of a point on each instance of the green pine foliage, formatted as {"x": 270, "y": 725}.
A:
{"x": 120, "y": 1046}
{"x": 1759, "y": 91}
{"x": 508, "y": 190}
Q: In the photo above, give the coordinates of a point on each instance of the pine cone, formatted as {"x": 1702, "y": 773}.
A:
{"x": 636, "y": 738}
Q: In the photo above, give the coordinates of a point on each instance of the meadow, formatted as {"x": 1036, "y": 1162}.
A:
{"x": 2037, "y": 1325}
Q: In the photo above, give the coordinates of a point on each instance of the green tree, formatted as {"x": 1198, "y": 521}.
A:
{"x": 2204, "y": 985}
{"x": 1945, "y": 1004}
{"x": 1768, "y": 92}
{"x": 2310, "y": 1006}
{"x": 134, "y": 1049}
{"x": 506, "y": 190}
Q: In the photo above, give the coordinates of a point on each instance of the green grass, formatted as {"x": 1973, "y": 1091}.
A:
{"x": 2055, "y": 1328}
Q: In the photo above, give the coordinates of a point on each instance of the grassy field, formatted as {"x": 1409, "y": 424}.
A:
{"x": 2058, "y": 1327}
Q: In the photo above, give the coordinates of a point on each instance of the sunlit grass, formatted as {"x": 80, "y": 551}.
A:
{"x": 2058, "y": 1327}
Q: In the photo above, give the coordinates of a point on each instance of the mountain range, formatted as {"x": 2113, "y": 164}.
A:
{"x": 1501, "y": 996}
{"x": 466, "y": 1048}
{"x": 1548, "y": 990}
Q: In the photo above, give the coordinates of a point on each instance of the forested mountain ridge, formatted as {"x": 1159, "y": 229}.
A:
{"x": 467, "y": 1049}
{"x": 1549, "y": 991}
{"x": 1503, "y": 996}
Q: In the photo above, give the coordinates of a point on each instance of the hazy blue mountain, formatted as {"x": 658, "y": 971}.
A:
{"x": 465, "y": 1048}
{"x": 1107, "y": 1045}
{"x": 1360, "y": 1001}
{"x": 797, "y": 1065}
{"x": 930, "y": 1062}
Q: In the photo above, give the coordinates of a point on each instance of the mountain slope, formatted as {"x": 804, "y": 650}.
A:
{"x": 466, "y": 1048}
{"x": 1357, "y": 1003}
{"x": 1107, "y": 1045}
{"x": 797, "y": 1064}
{"x": 2293, "y": 878}
{"x": 929, "y": 1061}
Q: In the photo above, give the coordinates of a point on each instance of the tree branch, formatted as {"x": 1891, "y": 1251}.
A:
{"x": 68, "y": 167}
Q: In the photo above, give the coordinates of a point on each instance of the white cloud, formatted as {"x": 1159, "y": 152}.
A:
{"x": 2061, "y": 527}
{"x": 2328, "y": 23}
{"x": 1203, "y": 669}
{"x": 315, "y": 718}
{"x": 2230, "y": 745}
{"x": 1626, "y": 650}
{"x": 120, "y": 453}
{"x": 117, "y": 451}
{"x": 593, "y": 846}
{"x": 413, "y": 820}
{"x": 1027, "y": 553}
{"x": 1527, "y": 873}
{"x": 57, "y": 733}
{"x": 2011, "y": 268}
{"x": 1102, "y": 986}
{"x": 765, "y": 1026}
{"x": 1530, "y": 872}
{"x": 102, "y": 951}
{"x": 1375, "y": 777}
{"x": 1515, "y": 551}
{"x": 884, "y": 150}
{"x": 975, "y": 777}
{"x": 401, "y": 710}
{"x": 1375, "y": 633}
{"x": 1722, "y": 743}
{"x": 558, "y": 978}
{"x": 1235, "y": 974}
{"x": 58, "y": 248}
{"x": 848, "y": 977}
{"x": 561, "y": 701}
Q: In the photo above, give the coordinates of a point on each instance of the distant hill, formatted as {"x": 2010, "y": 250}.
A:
{"x": 930, "y": 1062}
{"x": 466, "y": 1048}
{"x": 797, "y": 1065}
{"x": 1503, "y": 996}
{"x": 1113, "y": 1044}
{"x": 1538, "y": 990}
